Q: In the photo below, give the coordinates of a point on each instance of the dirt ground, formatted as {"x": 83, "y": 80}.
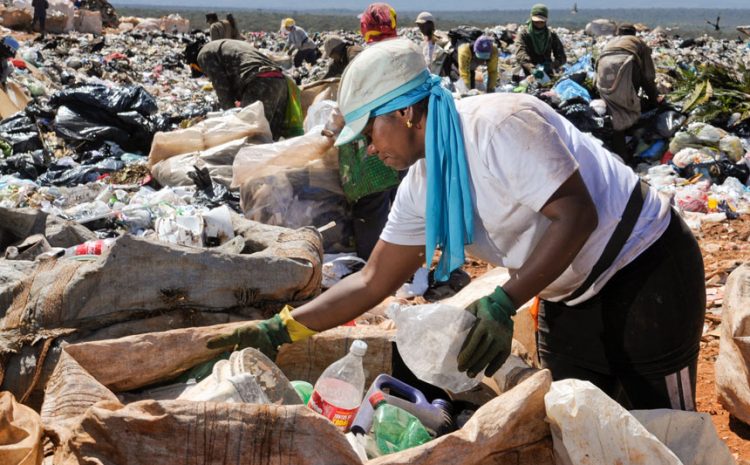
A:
{"x": 725, "y": 246}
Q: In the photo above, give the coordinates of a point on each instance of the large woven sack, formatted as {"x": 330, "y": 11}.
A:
{"x": 20, "y": 433}
{"x": 732, "y": 372}
{"x": 250, "y": 123}
{"x": 325, "y": 89}
{"x": 601, "y": 27}
{"x": 140, "y": 286}
{"x": 88, "y": 22}
{"x": 17, "y": 18}
{"x": 87, "y": 421}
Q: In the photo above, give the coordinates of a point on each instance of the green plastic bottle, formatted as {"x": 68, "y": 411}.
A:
{"x": 304, "y": 390}
{"x": 394, "y": 428}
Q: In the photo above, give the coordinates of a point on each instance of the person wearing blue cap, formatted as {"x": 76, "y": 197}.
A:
{"x": 507, "y": 178}
{"x": 470, "y": 56}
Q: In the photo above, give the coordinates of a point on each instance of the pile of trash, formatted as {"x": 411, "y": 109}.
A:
{"x": 119, "y": 165}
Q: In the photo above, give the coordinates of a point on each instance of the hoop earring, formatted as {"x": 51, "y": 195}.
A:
{"x": 409, "y": 124}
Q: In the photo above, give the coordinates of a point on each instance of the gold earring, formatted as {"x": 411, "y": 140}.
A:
{"x": 409, "y": 124}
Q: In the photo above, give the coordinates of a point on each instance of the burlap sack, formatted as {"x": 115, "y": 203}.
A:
{"x": 732, "y": 372}
{"x": 86, "y": 421}
{"x": 142, "y": 285}
{"x": 20, "y": 433}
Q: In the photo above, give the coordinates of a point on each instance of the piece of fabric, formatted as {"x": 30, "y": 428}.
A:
{"x": 540, "y": 38}
{"x": 293, "y": 118}
{"x": 378, "y": 22}
{"x": 519, "y": 152}
{"x": 450, "y": 225}
{"x": 640, "y": 335}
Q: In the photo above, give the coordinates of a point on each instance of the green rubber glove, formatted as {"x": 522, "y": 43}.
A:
{"x": 266, "y": 336}
{"x": 489, "y": 340}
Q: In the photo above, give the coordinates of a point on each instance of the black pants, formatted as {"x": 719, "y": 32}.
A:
{"x": 309, "y": 55}
{"x": 638, "y": 339}
{"x": 41, "y": 17}
{"x": 369, "y": 215}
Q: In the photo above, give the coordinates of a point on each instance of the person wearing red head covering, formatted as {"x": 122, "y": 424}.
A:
{"x": 378, "y": 22}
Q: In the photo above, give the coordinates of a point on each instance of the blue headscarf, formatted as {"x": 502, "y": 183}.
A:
{"x": 449, "y": 214}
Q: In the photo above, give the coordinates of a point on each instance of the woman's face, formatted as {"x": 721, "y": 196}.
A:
{"x": 389, "y": 138}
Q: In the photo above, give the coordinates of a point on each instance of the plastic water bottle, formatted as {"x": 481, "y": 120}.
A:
{"x": 339, "y": 390}
{"x": 394, "y": 428}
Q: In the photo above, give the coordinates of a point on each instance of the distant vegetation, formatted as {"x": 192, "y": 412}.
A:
{"x": 686, "y": 22}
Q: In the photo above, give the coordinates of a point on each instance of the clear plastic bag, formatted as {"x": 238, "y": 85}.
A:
{"x": 429, "y": 339}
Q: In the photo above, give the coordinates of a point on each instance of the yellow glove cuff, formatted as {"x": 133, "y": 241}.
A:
{"x": 297, "y": 331}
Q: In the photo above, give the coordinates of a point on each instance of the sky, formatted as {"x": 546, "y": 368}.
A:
{"x": 437, "y": 5}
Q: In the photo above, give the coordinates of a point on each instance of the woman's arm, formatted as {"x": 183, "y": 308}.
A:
{"x": 389, "y": 266}
{"x": 574, "y": 218}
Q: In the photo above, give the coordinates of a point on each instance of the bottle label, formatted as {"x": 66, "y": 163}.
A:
{"x": 342, "y": 418}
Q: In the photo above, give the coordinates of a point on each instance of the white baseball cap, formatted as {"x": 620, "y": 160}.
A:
{"x": 424, "y": 17}
{"x": 382, "y": 72}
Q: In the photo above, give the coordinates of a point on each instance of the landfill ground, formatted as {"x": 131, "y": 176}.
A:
{"x": 725, "y": 245}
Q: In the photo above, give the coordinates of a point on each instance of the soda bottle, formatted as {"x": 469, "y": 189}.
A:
{"x": 394, "y": 428}
{"x": 95, "y": 247}
{"x": 339, "y": 390}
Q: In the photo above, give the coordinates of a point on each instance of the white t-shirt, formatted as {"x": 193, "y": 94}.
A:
{"x": 519, "y": 152}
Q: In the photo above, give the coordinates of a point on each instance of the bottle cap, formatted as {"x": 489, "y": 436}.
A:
{"x": 376, "y": 399}
{"x": 358, "y": 348}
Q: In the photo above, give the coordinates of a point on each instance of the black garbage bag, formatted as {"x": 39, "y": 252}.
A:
{"x": 717, "y": 171}
{"x": 210, "y": 193}
{"x": 21, "y": 133}
{"x": 28, "y": 165}
{"x": 587, "y": 120}
{"x": 91, "y": 115}
{"x": 110, "y": 99}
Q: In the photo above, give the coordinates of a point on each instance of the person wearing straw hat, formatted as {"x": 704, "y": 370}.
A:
{"x": 537, "y": 44}
{"x": 508, "y": 179}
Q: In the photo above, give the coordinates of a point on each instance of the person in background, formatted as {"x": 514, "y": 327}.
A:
{"x": 470, "y": 56}
{"x": 299, "y": 43}
{"x": 8, "y": 48}
{"x": 433, "y": 45}
{"x": 504, "y": 176}
{"x": 378, "y": 22}
{"x": 241, "y": 74}
{"x": 624, "y": 67}
{"x": 218, "y": 29}
{"x": 40, "y": 15}
{"x": 341, "y": 52}
{"x": 537, "y": 44}
{"x": 234, "y": 31}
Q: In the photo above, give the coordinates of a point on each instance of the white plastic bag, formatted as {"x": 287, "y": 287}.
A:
{"x": 589, "y": 427}
{"x": 429, "y": 338}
